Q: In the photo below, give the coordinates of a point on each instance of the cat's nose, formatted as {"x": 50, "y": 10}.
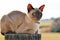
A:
{"x": 37, "y": 17}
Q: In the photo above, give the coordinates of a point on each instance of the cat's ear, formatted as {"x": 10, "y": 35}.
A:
{"x": 29, "y": 7}
{"x": 41, "y": 7}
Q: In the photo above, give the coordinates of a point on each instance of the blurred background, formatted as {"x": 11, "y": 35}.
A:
{"x": 50, "y": 25}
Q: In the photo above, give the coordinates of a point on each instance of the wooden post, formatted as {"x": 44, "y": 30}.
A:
{"x": 22, "y": 37}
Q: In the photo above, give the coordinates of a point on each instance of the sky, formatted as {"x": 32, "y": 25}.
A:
{"x": 51, "y": 10}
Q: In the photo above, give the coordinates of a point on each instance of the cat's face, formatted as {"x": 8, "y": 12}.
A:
{"x": 35, "y": 13}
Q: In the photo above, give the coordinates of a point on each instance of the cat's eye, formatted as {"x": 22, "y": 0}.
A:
{"x": 33, "y": 14}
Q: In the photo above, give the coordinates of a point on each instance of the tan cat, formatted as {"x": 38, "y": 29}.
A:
{"x": 20, "y": 22}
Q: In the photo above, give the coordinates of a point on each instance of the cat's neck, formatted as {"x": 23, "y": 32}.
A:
{"x": 29, "y": 20}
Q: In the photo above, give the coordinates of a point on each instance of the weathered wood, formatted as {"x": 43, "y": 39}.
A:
{"x": 22, "y": 37}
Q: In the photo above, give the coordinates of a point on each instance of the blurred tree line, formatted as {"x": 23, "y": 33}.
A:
{"x": 56, "y": 25}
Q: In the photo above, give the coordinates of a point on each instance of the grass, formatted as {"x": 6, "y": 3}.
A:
{"x": 50, "y": 36}
{"x": 45, "y": 36}
{"x": 1, "y": 37}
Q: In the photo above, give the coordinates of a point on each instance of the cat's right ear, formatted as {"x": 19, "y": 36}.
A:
{"x": 29, "y": 7}
{"x": 42, "y": 7}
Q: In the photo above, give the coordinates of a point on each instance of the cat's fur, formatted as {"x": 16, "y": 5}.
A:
{"x": 19, "y": 22}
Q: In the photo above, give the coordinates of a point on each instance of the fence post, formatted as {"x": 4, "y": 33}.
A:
{"x": 22, "y": 37}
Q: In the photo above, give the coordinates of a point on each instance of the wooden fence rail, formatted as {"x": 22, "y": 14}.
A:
{"x": 22, "y": 37}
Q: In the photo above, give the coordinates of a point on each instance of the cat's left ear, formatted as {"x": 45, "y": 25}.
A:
{"x": 41, "y": 7}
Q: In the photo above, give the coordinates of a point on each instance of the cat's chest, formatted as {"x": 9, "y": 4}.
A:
{"x": 36, "y": 25}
